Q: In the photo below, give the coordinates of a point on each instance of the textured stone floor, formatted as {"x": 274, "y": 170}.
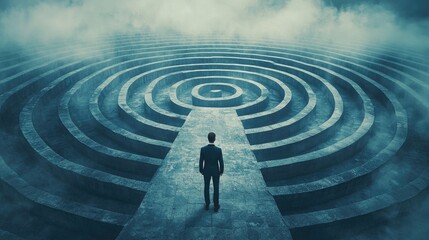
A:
{"x": 334, "y": 133}
{"x": 174, "y": 205}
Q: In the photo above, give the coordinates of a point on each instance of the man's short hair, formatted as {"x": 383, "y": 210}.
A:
{"x": 211, "y": 137}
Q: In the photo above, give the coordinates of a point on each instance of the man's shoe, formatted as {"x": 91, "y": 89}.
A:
{"x": 216, "y": 209}
{"x": 207, "y": 207}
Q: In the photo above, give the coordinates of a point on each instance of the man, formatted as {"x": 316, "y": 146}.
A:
{"x": 211, "y": 166}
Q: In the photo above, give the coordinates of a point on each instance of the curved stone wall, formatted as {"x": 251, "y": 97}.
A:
{"x": 82, "y": 137}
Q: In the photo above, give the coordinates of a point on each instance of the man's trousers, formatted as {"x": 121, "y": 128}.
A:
{"x": 215, "y": 188}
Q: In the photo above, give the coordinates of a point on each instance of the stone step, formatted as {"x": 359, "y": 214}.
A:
{"x": 322, "y": 224}
{"x": 107, "y": 99}
{"x": 65, "y": 212}
{"x": 120, "y": 114}
{"x": 98, "y": 181}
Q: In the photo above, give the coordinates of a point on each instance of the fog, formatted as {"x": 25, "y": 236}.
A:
{"x": 375, "y": 22}
{"x": 390, "y": 23}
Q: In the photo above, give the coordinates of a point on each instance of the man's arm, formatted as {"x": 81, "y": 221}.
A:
{"x": 221, "y": 161}
{"x": 201, "y": 161}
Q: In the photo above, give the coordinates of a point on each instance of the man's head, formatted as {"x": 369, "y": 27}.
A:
{"x": 211, "y": 137}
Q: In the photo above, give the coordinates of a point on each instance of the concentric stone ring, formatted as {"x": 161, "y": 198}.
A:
{"x": 213, "y": 90}
{"x": 331, "y": 130}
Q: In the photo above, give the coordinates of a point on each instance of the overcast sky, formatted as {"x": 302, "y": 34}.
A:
{"x": 416, "y": 9}
{"x": 400, "y": 22}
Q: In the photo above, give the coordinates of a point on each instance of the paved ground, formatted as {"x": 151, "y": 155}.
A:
{"x": 174, "y": 206}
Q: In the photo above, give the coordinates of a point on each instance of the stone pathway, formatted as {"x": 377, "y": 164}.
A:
{"x": 174, "y": 205}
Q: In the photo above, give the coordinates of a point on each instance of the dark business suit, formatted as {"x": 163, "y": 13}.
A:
{"x": 211, "y": 166}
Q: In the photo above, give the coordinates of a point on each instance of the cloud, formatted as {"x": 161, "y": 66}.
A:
{"x": 50, "y": 21}
{"x": 417, "y": 9}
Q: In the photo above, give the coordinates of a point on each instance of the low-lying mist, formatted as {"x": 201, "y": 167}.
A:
{"x": 402, "y": 24}
{"x": 46, "y": 21}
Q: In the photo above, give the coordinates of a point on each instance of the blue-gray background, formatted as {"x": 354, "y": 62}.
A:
{"x": 402, "y": 23}
{"x": 396, "y": 22}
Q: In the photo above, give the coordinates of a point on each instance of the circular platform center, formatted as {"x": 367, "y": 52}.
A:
{"x": 217, "y": 90}
{"x": 215, "y": 93}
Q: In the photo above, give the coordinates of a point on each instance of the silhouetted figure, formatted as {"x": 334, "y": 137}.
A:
{"x": 211, "y": 166}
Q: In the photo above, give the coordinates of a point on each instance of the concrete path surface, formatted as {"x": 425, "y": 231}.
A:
{"x": 173, "y": 208}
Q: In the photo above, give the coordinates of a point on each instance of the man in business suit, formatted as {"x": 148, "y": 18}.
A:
{"x": 211, "y": 166}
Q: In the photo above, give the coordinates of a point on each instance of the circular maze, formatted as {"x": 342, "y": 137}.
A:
{"x": 337, "y": 130}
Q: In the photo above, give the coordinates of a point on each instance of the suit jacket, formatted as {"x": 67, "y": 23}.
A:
{"x": 211, "y": 160}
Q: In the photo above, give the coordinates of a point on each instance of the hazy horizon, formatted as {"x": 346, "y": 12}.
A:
{"x": 380, "y": 22}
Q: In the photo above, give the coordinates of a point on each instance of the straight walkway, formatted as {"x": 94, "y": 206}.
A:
{"x": 173, "y": 208}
